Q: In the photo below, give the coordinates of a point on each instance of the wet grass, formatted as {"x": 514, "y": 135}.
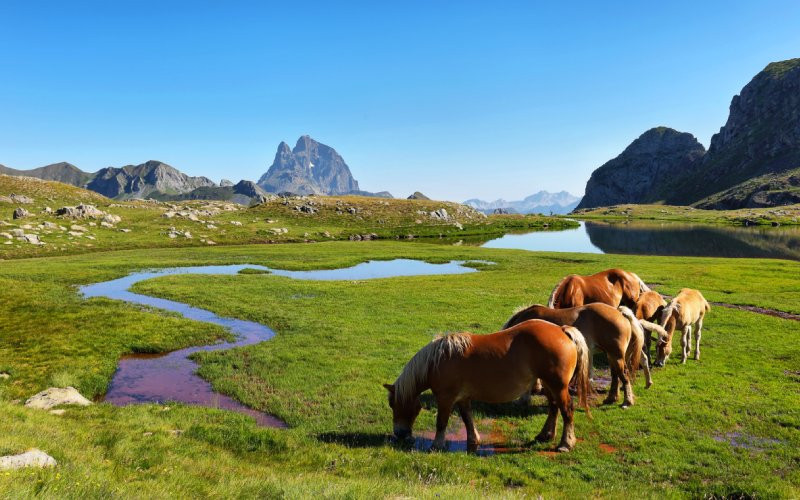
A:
{"x": 338, "y": 341}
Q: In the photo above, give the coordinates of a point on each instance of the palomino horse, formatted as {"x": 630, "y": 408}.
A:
{"x": 648, "y": 310}
{"x": 615, "y": 332}
{"x": 614, "y": 287}
{"x": 686, "y": 310}
{"x": 496, "y": 368}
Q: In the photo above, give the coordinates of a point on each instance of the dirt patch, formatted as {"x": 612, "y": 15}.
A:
{"x": 607, "y": 448}
{"x": 760, "y": 310}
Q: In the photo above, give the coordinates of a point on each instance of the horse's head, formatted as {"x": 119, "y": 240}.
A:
{"x": 404, "y": 413}
{"x": 664, "y": 347}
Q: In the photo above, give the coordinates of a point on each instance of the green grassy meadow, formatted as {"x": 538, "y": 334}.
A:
{"x": 783, "y": 215}
{"x": 725, "y": 426}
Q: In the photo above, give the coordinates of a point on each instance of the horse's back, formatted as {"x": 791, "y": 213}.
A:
{"x": 693, "y": 304}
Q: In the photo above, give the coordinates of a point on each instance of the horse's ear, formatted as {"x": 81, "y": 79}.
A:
{"x": 389, "y": 387}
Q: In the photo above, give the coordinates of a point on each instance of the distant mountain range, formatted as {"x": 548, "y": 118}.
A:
{"x": 754, "y": 160}
{"x": 542, "y": 202}
{"x": 310, "y": 168}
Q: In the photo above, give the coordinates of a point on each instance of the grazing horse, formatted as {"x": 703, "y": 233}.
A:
{"x": 616, "y": 332}
{"x": 614, "y": 287}
{"x": 496, "y": 368}
{"x": 686, "y": 310}
{"x": 648, "y": 310}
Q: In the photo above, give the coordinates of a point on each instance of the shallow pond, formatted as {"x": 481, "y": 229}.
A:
{"x": 148, "y": 378}
{"x": 660, "y": 238}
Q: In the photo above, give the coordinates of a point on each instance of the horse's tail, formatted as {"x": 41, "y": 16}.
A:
{"x": 552, "y": 301}
{"x": 633, "y": 355}
{"x": 653, "y": 327}
{"x": 642, "y": 285}
{"x": 581, "y": 374}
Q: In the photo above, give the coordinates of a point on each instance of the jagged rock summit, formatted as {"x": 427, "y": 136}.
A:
{"x": 310, "y": 168}
{"x": 418, "y": 196}
{"x": 639, "y": 173}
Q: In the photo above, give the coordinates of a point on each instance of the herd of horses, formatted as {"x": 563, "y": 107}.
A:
{"x": 548, "y": 349}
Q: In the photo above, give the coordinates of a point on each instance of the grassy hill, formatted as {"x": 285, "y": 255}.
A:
{"x": 153, "y": 224}
{"x": 784, "y": 215}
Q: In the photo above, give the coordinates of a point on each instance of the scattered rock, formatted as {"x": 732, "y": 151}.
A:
{"x": 125, "y": 230}
{"x": 31, "y": 458}
{"x": 59, "y": 411}
{"x": 33, "y": 239}
{"x": 440, "y": 214}
{"x": 21, "y": 198}
{"x": 236, "y": 223}
{"x": 76, "y": 227}
{"x": 4, "y": 376}
{"x": 81, "y": 212}
{"x": 20, "y": 212}
{"x": 56, "y": 396}
{"x": 352, "y": 210}
{"x": 279, "y": 230}
{"x": 111, "y": 219}
{"x": 6, "y": 236}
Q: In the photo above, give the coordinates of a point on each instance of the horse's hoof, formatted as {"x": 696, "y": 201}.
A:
{"x": 563, "y": 448}
{"x": 609, "y": 401}
{"x": 648, "y": 385}
{"x": 626, "y": 405}
{"x": 543, "y": 438}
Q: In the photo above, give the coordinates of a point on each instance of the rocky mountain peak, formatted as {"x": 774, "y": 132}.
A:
{"x": 310, "y": 168}
{"x": 635, "y": 176}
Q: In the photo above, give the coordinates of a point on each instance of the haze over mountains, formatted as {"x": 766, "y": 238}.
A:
{"x": 754, "y": 160}
{"x": 542, "y": 202}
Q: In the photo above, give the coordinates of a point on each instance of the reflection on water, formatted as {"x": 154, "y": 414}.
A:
{"x": 143, "y": 378}
{"x": 660, "y": 238}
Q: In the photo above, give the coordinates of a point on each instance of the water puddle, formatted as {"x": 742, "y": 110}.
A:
{"x": 493, "y": 442}
{"x": 157, "y": 378}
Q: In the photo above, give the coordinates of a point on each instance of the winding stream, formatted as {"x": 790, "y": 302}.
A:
{"x": 153, "y": 378}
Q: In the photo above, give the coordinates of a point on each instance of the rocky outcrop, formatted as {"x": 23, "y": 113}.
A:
{"x": 243, "y": 193}
{"x": 31, "y": 458}
{"x": 56, "y": 396}
{"x": 140, "y": 181}
{"x": 418, "y": 196}
{"x": 641, "y": 173}
{"x": 309, "y": 168}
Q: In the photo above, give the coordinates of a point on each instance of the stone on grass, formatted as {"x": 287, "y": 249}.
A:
{"x": 56, "y": 396}
{"x": 20, "y": 212}
{"x": 31, "y": 458}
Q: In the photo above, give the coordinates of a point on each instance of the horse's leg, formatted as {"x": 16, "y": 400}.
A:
{"x": 564, "y": 401}
{"x": 645, "y": 362}
{"x": 613, "y": 389}
{"x": 548, "y": 431}
{"x": 697, "y": 338}
{"x": 442, "y": 416}
{"x": 627, "y": 387}
{"x": 473, "y": 438}
{"x": 686, "y": 340}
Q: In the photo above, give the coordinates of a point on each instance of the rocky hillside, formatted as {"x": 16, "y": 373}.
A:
{"x": 639, "y": 173}
{"x": 152, "y": 178}
{"x": 752, "y": 162}
{"x": 140, "y": 181}
{"x": 61, "y": 172}
{"x": 543, "y": 202}
{"x": 309, "y": 168}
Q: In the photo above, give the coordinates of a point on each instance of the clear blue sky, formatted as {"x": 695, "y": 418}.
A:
{"x": 456, "y": 99}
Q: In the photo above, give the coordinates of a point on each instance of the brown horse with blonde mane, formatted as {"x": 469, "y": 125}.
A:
{"x": 496, "y": 368}
{"x": 614, "y": 287}
{"x": 616, "y": 332}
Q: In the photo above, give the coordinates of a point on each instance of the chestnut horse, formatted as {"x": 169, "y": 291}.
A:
{"x": 615, "y": 332}
{"x": 614, "y": 287}
{"x": 685, "y": 310}
{"x": 648, "y": 310}
{"x": 496, "y": 368}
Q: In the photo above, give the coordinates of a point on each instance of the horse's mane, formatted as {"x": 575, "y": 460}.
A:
{"x": 642, "y": 285}
{"x": 519, "y": 310}
{"x": 551, "y": 302}
{"x": 667, "y": 312}
{"x": 415, "y": 373}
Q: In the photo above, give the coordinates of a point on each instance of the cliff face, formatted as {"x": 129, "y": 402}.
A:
{"x": 640, "y": 173}
{"x": 760, "y": 138}
{"x": 309, "y": 168}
